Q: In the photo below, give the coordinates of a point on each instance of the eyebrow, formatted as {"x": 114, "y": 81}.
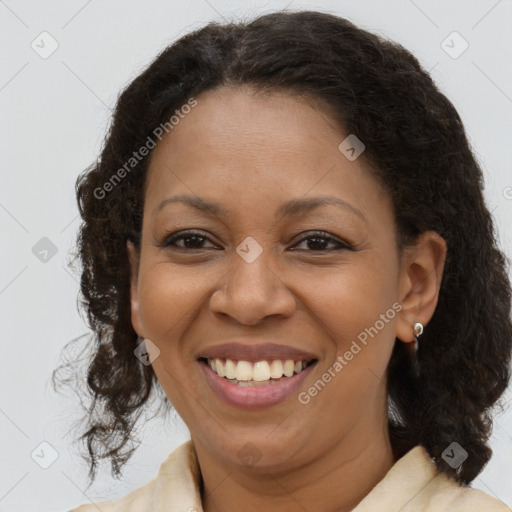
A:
{"x": 294, "y": 207}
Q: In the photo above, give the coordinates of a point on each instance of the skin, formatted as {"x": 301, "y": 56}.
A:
{"x": 251, "y": 152}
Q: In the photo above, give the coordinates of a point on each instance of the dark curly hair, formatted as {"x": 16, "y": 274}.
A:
{"x": 416, "y": 147}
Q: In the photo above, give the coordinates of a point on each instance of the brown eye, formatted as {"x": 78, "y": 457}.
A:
{"x": 191, "y": 240}
{"x": 318, "y": 241}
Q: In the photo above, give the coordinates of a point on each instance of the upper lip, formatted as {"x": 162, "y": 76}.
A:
{"x": 255, "y": 352}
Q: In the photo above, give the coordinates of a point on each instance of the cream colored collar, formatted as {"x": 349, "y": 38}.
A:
{"x": 413, "y": 484}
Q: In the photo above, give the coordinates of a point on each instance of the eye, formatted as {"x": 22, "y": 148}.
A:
{"x": 191, "y": 240}
{"x": 316, "y": 241}
{"x": 319, "y": 239}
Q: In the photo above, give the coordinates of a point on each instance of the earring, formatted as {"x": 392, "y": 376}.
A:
{"x": 418, "y": 331}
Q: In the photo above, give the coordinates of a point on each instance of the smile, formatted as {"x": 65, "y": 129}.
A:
{"x": 249, "y": 385}
{"x": 247, "y": 373}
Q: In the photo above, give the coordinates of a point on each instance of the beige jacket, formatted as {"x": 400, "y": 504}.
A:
{"x": 412, "y": 485}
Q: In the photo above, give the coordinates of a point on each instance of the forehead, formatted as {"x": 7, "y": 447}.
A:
{"x": 241, "y": 145}
{"x": 252, "y": 119}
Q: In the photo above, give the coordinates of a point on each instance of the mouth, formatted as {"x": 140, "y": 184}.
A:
{"x": 255, "y": 384}
{"x": 256, "y": 373}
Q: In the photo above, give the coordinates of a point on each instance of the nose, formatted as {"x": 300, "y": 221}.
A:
{"x": 250, "y": 292}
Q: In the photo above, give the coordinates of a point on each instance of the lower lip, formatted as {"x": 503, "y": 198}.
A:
{"x": 250, "y": 397}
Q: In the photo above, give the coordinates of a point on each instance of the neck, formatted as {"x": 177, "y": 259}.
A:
{"x": 334, "y": 481}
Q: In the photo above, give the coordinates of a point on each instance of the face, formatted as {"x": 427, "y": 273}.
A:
{"x": 268, "y": 263}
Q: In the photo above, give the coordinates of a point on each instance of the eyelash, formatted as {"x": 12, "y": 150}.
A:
{"x": 169, "y": 242}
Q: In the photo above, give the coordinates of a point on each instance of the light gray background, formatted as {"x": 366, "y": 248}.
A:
{"x": 54, "y": 115}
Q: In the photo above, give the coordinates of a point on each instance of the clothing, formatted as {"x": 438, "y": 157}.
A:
{"x": 413, "y": 484}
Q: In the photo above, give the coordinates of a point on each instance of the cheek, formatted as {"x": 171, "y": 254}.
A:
{"x": 169, "y": 295}
{"x": 351, "y": 298}
{"x": 169, "y": 300}
{"x": 356, "y": 308}
{"x": 356, "y": 312}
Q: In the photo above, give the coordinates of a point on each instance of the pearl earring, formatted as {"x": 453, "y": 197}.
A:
{"x": 418, "y": 331}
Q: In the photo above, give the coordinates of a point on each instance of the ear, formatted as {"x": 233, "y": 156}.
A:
{"x": 134, "y": 258}
{"x": 420, "y": 281}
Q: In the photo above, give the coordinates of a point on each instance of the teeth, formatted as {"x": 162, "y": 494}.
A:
{"x": 276, "y": 369}
{"x": 220, "y": 368}
{"x": 243, "y": 370}
{"x": 261, "y": 371}
{"x": 230, "y": 369}
{"x": 288, "y": 367}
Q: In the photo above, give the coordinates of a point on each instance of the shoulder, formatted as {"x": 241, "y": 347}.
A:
{"x": 177, "y": 482}
{"x": 137, "y": 500}
{"x": 414, "y": 484}
{"x": 443, "y": 494}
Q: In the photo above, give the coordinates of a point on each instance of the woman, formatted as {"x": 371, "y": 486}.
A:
{"x": 286, "y": 233}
